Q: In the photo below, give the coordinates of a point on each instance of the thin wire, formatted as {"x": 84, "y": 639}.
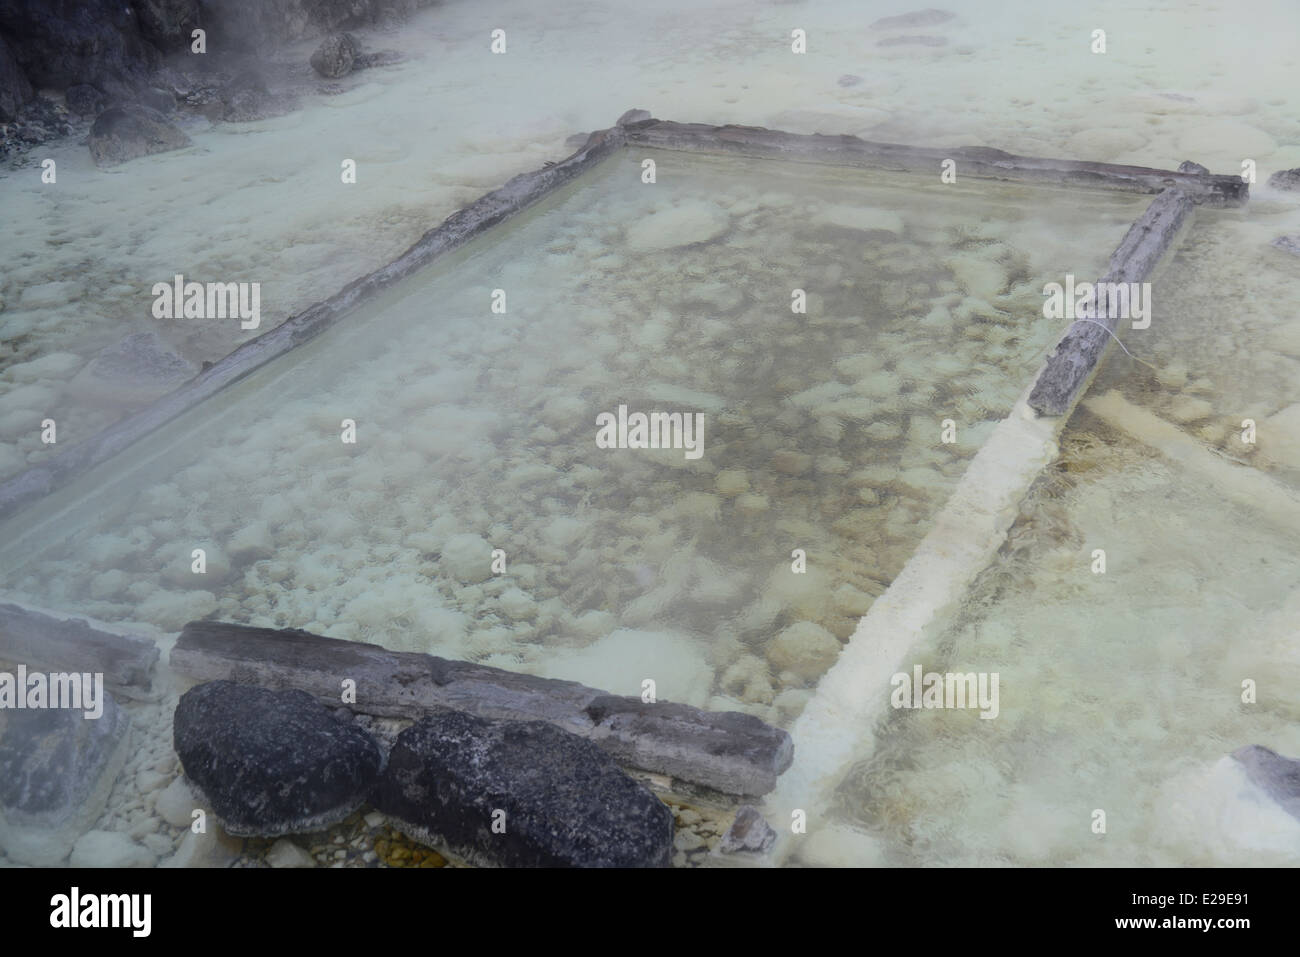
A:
{"x": 1121, "y": 345}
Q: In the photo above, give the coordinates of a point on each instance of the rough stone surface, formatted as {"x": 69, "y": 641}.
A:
{"x": 57, "y": 768}
{"x": 335, "y": 56}
{"x": 1285, "y": 179}
{"x": 565, "y": 802}
{"x": 272, "y": 762}
{"x": 748, "y": 832}
{"x": 84, "y": 99}
{"x": 1278, "y": 776}
{"x": 1187, "y": 166}
{"x": 127, "y": 132}
{"x": 15, "y": 90}
{"x": 805, "y": 648}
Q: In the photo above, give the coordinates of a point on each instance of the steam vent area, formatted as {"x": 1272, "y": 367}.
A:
{"x": 880, "y": 452}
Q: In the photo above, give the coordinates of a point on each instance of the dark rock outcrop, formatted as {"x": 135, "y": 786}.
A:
{"x": 124, "y": 133}
{"x": 168, "y": 24}
{"x": 84, "y": 99}
{"x": 1288, "y": 179}
{"x": 61, "y": 43}
{"x": 57, "y": 768}
{"x": 334, "y": 57}
{"x": 1278, "y": 776}
{"x": 1187, "y": 166}
{"x": 272, "y": 762}
{"x": 15, "y": 90}
{"x": 555, "y": 799}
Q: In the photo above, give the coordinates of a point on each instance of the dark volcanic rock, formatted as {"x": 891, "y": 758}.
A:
{"x": 60, "y": 43}
{"x": 1278, "y": 776}
{"x": 565, "y": 802}
{"x": 1285, "y": 179}
{"x": 84, "y": 99}
{"x": 272, "y": 762}
{"x": 14, "y": 88}
{"x": 125, "y": 132}
{"x": 335, "y": 56}
{"x": 748, "y": 832}
{"x": 57, "y": 768}
{"x": 1187, "y": 166}
{"x": 167, "y": 23}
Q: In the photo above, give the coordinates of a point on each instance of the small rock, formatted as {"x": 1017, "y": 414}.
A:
{"x": 1187, "y": 166}
{"x": 748, "y": 832}
{"x": 849, "y": 79}
{"x": 1278, "y": 776}
{"x": 176, "y": 803}
{"x": 285, "y": 853}
{"x": 109, "y": 849}
{"x": 335, "y": 56}
{"x": 805, "y": 648}
{"x": 634, "y": 116}
{"x": 1288, "y": 244}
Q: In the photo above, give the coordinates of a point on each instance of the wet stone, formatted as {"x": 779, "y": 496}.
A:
{"x": 271, "y": 763}
{"x": 57, "y": 768}
{"x": 556, "y": 800}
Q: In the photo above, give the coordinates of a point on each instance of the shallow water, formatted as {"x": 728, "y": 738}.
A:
{"x": 476, "y": 430}
{"x": 1122, "y": 691}
{"x": 1119, "y": 688}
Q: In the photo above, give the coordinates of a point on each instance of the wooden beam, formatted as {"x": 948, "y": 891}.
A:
{"x": 456, "y": 230}
{"x": 71, "y": 644}
{"x": 1071, "y": 366}
{"x": 978, "y": 161}
{"x": 726, "y": 751}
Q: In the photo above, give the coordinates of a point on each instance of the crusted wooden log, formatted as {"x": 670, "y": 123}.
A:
{"x": 729, "y": 752}
{"x": 978, "y": 161}
{"x": 462, "y": 226}
{"x": 1071, "y": 366}
{"x": 71, "y": 644}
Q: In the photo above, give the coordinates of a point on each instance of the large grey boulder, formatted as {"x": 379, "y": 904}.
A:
{"x": 1288, "y": 179}
{"x": 126, "y": 132}
{"x": 522, "y": 794}
{"x": 271, "y": 763}
{"x": 57, "y": 768}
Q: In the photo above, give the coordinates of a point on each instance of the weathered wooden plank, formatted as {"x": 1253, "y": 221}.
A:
{"x": 71, "y": 644}
{"x": 978, "y": 161}
{"x": 729, "y": 752}
{"x": 1074, "y": 362}
{"x": 458, "y": 229}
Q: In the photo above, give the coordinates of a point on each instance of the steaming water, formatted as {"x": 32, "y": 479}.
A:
{"x": 1120, "y": 691}
{"x": 823, "y": 432}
